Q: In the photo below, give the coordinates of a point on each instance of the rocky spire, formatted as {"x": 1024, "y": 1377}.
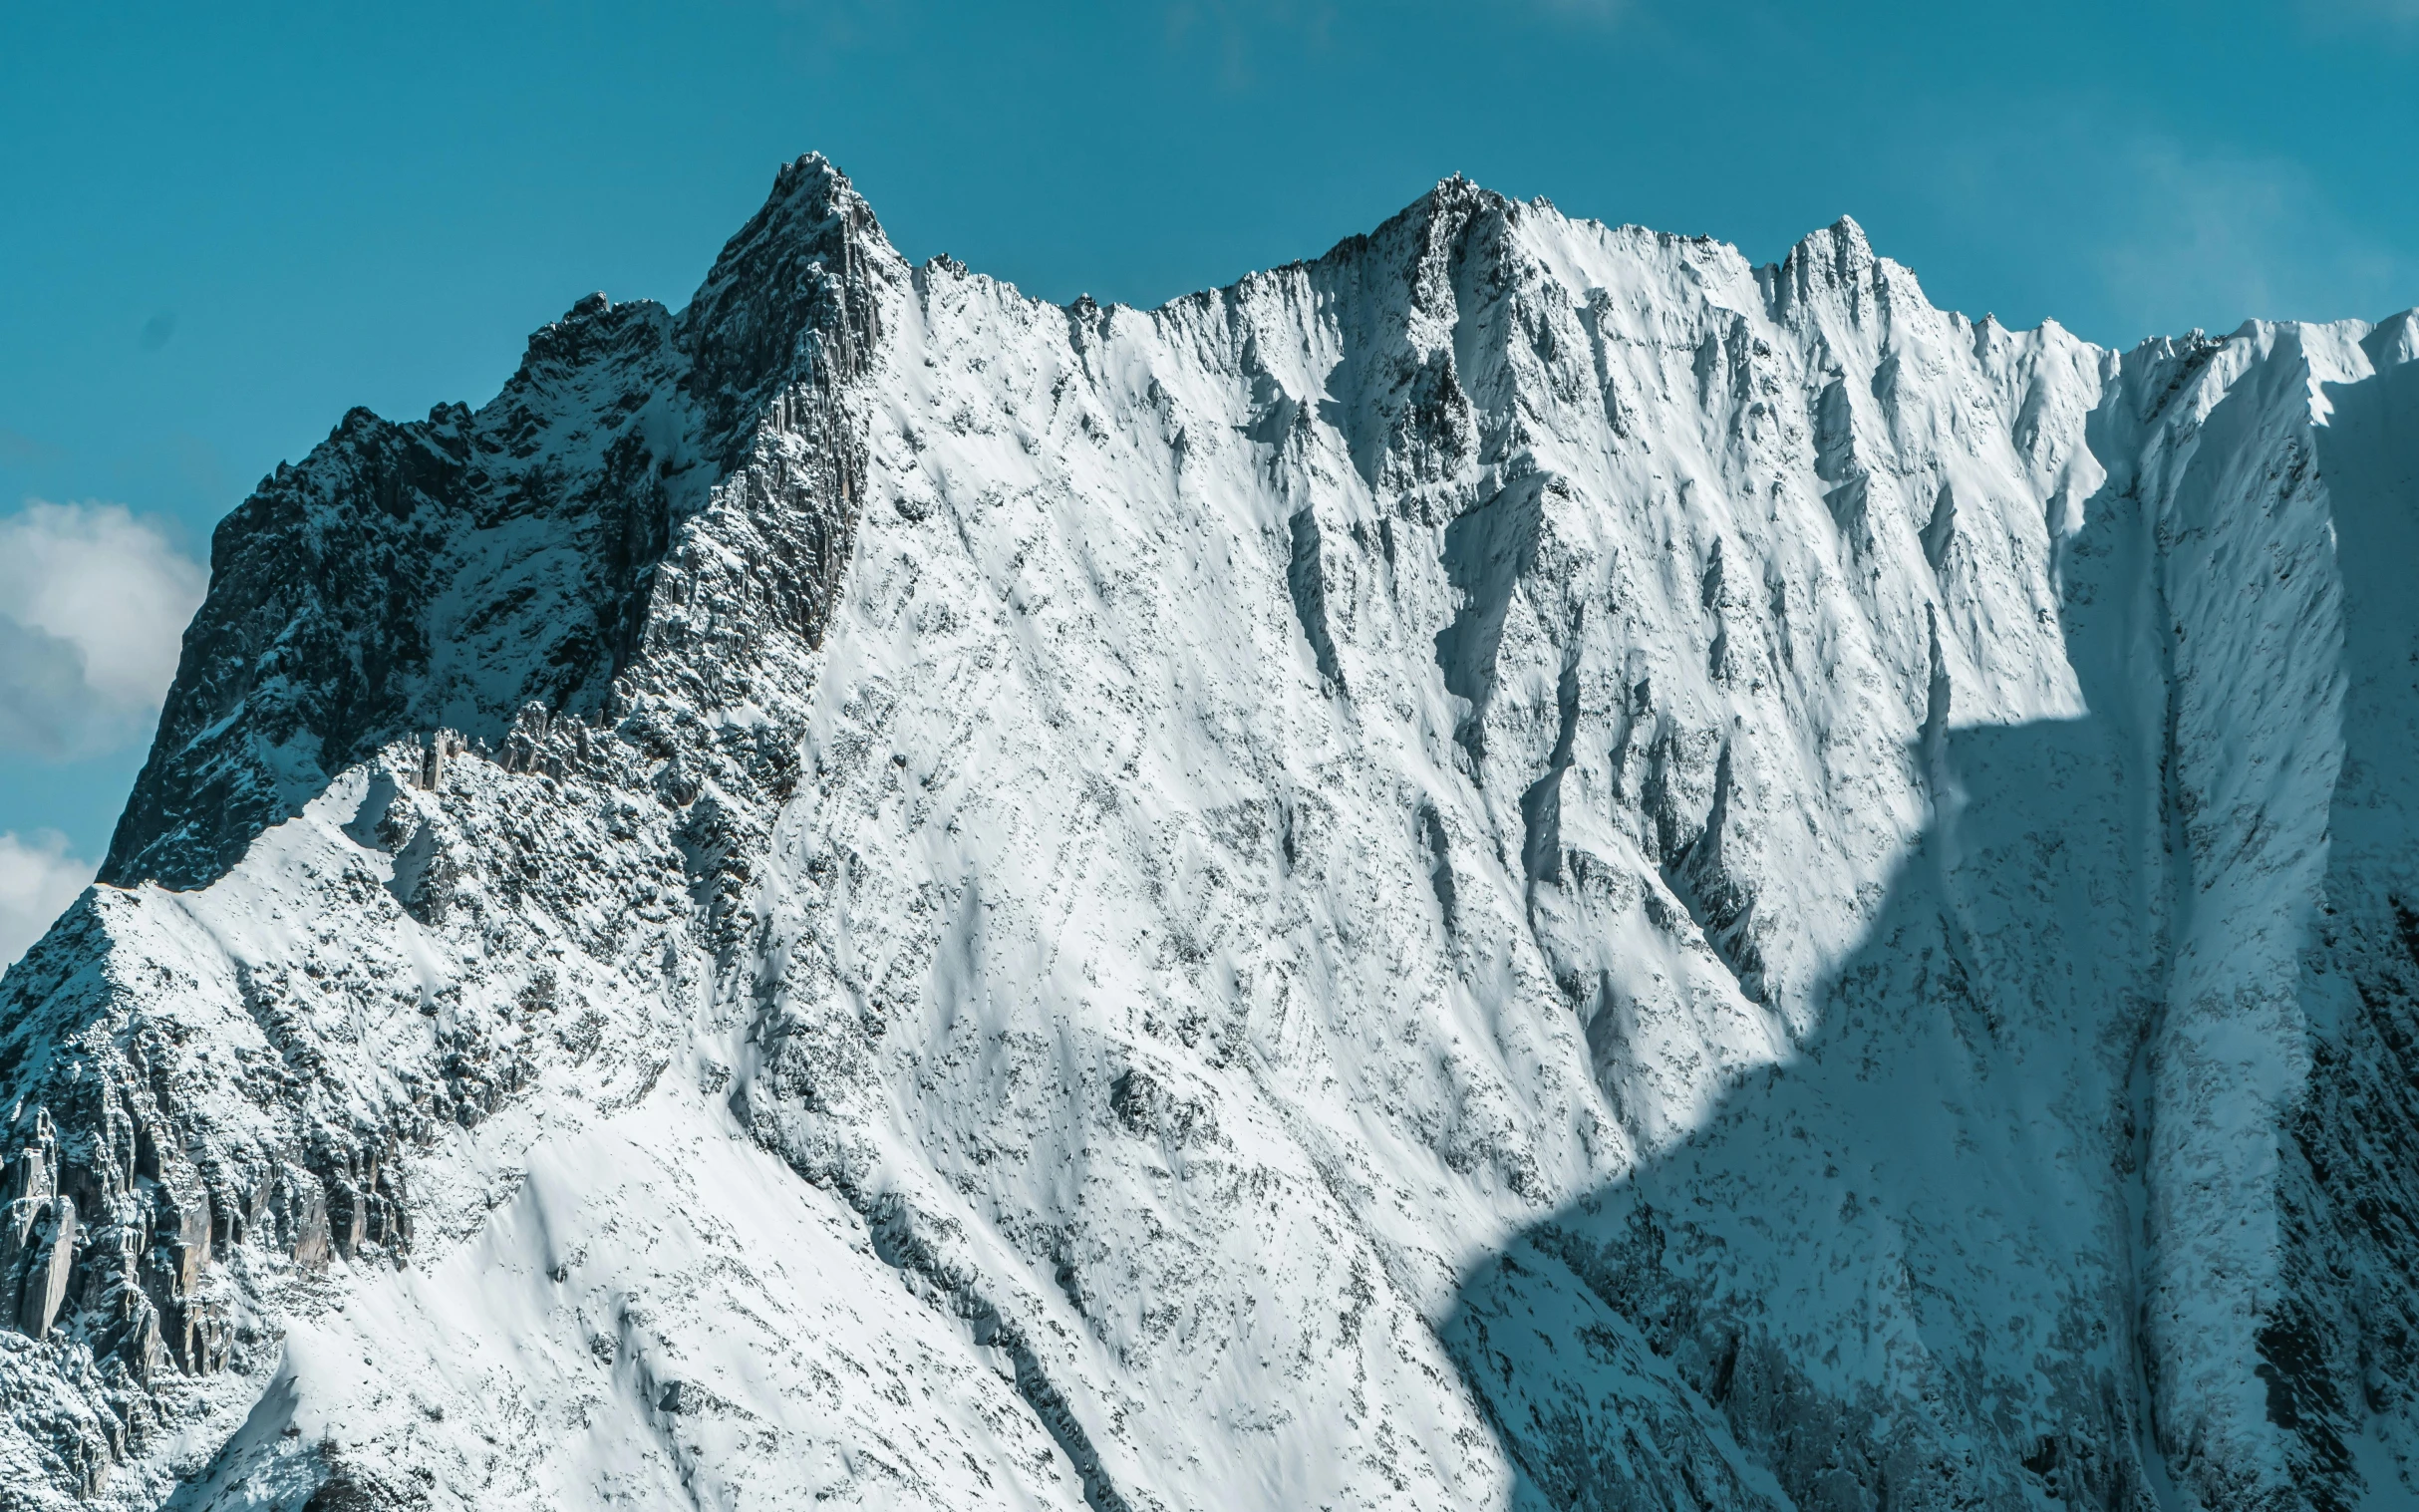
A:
{"x": 792, "y": 297}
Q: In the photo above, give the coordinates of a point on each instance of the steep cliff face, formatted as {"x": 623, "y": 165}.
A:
{"x": 1525, "y": 865}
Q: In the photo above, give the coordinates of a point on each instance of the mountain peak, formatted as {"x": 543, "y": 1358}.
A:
{"x": 810, "y": 188}
{"x": 788, "y": 293}
{"x": 887, "y": 843}
{"x": 1837, "y": 257}
{"x": 1455, "y": 191}
{"x": 813, "y": 215}
{"x": 1841, "y": 245}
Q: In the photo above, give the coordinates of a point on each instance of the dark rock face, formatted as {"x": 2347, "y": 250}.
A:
{"x": 401, "y": 577}
{"x": 449, "y": 572}
{"x": 479, "y": 585}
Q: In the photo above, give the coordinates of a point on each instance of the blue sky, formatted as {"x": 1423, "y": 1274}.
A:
{"x": 225, "y": 226}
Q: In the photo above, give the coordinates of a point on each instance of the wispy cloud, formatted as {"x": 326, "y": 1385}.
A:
{"x": 38, "y": 879}
{"x": 2394, "y": 16}
{"x": 822, "y": 25}
{"x": 2244, "y": 234}
{"x": 2124, "y": 231}
{"x": 21, "y": 448}
{"x": 1593, "y": 12}
{"x": 1243, "y": 30}
{"x": 93, "y": 608}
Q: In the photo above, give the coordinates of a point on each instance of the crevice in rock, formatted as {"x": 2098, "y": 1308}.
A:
{"x": 1440, "y": 860}
{"x": 1541, "y": 805}
{"x": 1941, "y": 529}
{"x": 891, "y": 1224}
{"x": 1486, "y": 553}
{"x": 1717, "y": 899}
{"x": 1306, "y": 581}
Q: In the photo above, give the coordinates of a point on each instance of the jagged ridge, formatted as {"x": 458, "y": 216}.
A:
{"x": 1523, "y": 864}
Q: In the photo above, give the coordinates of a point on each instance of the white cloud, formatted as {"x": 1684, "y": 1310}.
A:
{"x": 93, "y": 607}
{"x": 37, "y": 880}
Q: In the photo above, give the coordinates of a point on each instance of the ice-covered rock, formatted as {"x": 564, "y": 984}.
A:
{"x": 1525, "y": 865}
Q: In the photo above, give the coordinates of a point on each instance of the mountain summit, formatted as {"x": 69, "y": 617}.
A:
{"x": 1521, "y": 866}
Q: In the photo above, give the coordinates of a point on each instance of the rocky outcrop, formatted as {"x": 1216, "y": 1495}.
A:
{"x": 1524, "y": 864}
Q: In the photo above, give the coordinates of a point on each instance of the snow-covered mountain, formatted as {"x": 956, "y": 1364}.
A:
{"x": 1525, "y": 866}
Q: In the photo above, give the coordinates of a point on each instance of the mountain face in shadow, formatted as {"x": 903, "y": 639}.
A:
{"x": 1905, "y": 1267}
{"x": 2109, "y": 1032}
{"x": 1524, "y": 865}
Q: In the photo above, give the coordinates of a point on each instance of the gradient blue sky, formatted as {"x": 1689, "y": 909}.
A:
{"x": 225, "y": 225}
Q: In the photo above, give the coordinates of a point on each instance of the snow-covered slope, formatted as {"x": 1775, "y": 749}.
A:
{"x": 1523, "y": 867}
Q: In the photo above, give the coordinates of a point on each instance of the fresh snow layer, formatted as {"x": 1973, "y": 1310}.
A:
{"x": 1524, "y": 866}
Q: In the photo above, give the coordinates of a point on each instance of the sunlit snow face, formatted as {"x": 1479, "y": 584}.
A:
{"x": 1490, "y": 858}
